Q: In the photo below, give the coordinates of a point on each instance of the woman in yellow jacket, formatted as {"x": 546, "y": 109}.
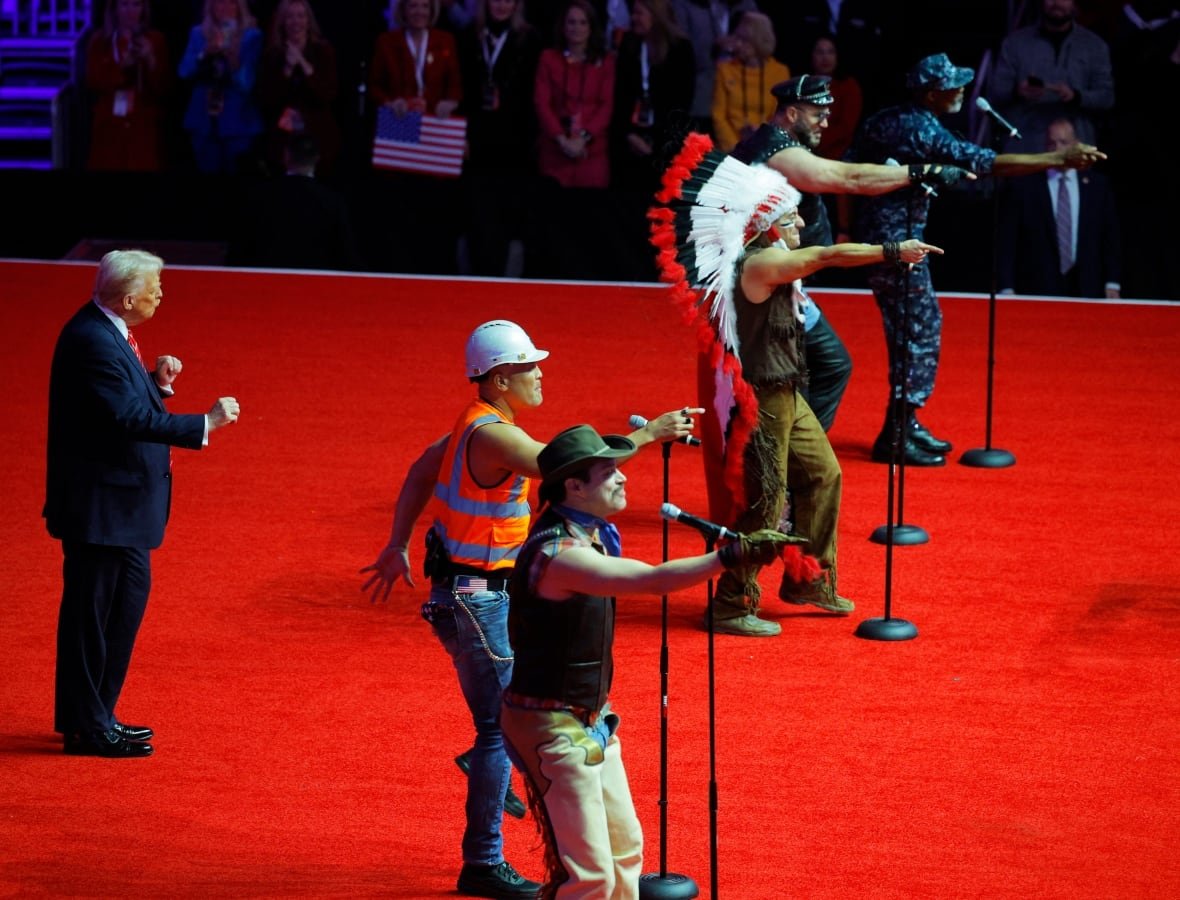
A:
{"x": 741, "y": 89}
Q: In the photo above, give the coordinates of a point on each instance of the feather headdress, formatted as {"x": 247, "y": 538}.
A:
{"x": 709, "y": 207}
{"x": 712, "y": 206}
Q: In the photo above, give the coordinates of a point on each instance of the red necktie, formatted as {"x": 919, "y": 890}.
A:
{"x": 135, "y": 347}
{"x": 134, "y": 344}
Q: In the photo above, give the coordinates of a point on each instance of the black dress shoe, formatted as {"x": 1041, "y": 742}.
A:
{"x": 500, "y": 881}
{"x": 513, "y": 805}
{"x": 134, "y": 732}
{"x": 109, "y": 744}
{"x": 914, "y": 455}
{"x": 924, "y": 440}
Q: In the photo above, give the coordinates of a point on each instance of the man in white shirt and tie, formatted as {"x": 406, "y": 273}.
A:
{"x": 1059, "y": 236}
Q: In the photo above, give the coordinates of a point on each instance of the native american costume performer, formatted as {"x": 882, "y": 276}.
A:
{"x": 716, "y": 218}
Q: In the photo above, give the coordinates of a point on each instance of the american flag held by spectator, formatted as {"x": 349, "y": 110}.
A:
{"x": 418, "y": 143}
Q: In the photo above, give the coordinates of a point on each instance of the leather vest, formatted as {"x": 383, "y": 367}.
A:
{"x": 762, "y": 145}
{"x": 769, "y": 338}
{"x": 562, "y": 648}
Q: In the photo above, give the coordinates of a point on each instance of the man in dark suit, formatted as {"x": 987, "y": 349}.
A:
{"x": 108, "y": 492}
{"x": 1059, "y": 232}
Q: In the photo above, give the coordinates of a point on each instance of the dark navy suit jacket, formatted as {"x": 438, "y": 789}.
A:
{"x": 1028, "y": 260}
{"x": 108, "y": 478}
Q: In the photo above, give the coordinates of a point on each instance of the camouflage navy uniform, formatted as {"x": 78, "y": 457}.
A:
{"x": 909, "y": 134}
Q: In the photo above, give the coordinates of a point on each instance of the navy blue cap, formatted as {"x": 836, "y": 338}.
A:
{"x": 938, "y": 73}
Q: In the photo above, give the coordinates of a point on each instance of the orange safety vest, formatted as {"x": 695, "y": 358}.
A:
{"x": 482, "y": 528}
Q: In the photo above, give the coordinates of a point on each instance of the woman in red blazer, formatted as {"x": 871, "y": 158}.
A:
{"x": 128, "y": 75}
{"x": 297, "y": 83}
{"x": 415, "y": 66}
{"x": 575, "y": 96}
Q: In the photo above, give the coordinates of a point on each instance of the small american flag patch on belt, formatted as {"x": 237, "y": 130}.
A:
{"x": 469, "y": 584}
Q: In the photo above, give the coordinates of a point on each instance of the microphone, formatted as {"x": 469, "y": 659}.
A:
{"x": 637, "y": 421}
{"x": 710, "y": 530}
{"x": 982, "y": 104}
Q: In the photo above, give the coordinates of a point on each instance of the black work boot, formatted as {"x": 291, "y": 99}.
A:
{"x": 920, "y": 435}
{"x": 915, "y": 454}
{"x": 499, "y": 881}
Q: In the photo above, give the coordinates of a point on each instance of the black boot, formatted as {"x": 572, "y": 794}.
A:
{"x": 924, "y": 440}
{"x": 915, "y": 454}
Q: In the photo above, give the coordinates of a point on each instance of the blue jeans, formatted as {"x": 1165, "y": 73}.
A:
{"x": 474, "y": 630}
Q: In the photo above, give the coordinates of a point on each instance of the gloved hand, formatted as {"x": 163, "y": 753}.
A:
{"x": 936, "y": 175}
{"x": 755, "y": 550}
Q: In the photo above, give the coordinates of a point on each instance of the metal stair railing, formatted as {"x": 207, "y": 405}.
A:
{"x": 64, "y": 18}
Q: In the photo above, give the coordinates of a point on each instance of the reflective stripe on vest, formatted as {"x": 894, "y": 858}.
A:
{"x": 481, "y": 527}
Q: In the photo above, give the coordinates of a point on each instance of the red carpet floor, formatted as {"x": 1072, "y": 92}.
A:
{"x": 1024, "y": 745}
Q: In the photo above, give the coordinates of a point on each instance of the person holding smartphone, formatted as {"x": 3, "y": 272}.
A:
{"x": 1052, "y": 69}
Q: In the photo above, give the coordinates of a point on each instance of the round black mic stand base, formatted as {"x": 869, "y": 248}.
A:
{"x": 903, "y": 535}
{"x": 886, "y": 630}
{"x": 668, "y": 886}
{"x": 987, "y": 458}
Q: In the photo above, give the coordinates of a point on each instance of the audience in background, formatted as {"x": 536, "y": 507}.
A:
{"x": 294, "y": 221}
{"x": 297, "y": 84}
{"x": 415, "y": 65}
{"x": 708, "y": 24}
{"x": 458, "y": 16}
{"x": 848, "y": 101}
{"x": 741, "y": 87}
{"x": 498, "y": 61}
{"x": 843, "y": 119}
{"x": 580, "y": 117}
{"x": 616, "y": 19}
{"x": 1052, "y": 69}
{"x": 856, "y": 27}
{"x": 574, "y": 96}
{"x": 1145, "y": 52}
{"x": 498, "y": 58}
{"x": 1059, "y": 231}
{"x": 128, "y": 76}
{"x": 221, "y": 61}
{"x": 653, "y": 83}
{"x": 416, "y": 70}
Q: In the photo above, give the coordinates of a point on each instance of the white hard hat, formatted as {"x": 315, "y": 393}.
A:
{"x": 497, "y": 343}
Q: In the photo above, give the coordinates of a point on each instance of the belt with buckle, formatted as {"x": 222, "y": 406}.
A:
{"x": 477, "y": 584}
{"x": 587, "y": 717}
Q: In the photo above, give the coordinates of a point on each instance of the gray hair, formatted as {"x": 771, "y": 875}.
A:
{"x": 123, "y": 272}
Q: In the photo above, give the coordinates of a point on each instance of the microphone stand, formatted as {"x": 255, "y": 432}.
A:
{"x": 900, "y": 534}
{"x": 987, "y": 456}
{"x": 709, "y": 547}
{"x": 666, "y": 885}
{"x": 888, "y": 628}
